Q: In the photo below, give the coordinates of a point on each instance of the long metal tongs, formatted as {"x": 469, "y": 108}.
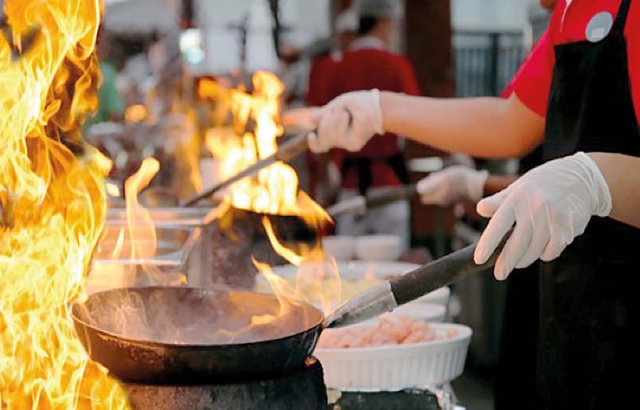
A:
{"x": 289, "y": 150}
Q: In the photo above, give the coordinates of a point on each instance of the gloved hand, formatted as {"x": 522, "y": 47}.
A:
{"x": 452, "y": 185}
{"x": 348, "y": 122}
{"x": 550, "y": 206}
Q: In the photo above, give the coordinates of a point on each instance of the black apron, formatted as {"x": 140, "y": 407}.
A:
{"x": 365, "y": 175}
{"x": 589, "y": 296}
{"x": 516, "y": 369}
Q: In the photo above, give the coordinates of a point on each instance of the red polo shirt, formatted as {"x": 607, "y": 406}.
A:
{"x": 322, "y": 69}
{"x": 365, "y": 67}
{"x": 568, "y": 24}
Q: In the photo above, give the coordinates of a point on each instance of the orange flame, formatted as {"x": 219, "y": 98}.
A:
{"x": 274, "y": 191}
{"x": 53, "y": 191}
{"x": 276, "y": 188}
{"x": 139, "y": 221}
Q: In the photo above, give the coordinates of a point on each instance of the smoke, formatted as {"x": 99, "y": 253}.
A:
{"x": 186, "y": 316}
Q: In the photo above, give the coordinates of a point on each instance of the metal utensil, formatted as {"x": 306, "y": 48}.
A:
{"x": 360, "y": 204}
{"x": 410, "y": 286}
{"x": 286, "y": 152}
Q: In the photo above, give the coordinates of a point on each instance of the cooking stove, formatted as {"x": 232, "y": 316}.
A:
{"x": 303, "y": 389}
{"x": 300, "y": 390}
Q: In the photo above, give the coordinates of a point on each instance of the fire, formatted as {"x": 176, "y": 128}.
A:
{"x": 275, "y": 190}
{"x": 140, "y": 224}
{"x": 126, "y": 248}
{"x": 53, "y": 205}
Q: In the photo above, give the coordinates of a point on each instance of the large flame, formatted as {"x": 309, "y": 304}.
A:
{"x": 275, "y": 190}
{"x": 52, "y": 192}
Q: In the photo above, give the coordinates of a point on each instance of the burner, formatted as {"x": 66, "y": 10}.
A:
{"x": 303, "y": 389}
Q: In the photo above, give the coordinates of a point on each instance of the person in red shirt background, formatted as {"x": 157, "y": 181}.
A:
{"x": 322, "y": 67}
{"x": 579, "y": 96}
{"x": 369, "y": 64}
{"x": 320, "y": 75}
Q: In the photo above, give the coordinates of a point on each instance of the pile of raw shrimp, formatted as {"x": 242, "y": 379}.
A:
{"x": 389, "y": 330}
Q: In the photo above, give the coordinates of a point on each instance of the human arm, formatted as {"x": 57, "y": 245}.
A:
{"x": 487, "y": 127}
{"x": 484, "y": 127}
{"x": 622, "y": 173}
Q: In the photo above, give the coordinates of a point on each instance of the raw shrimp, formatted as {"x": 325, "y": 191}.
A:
{"x": 388, "y": 331}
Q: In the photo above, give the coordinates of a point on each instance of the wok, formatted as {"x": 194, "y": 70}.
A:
{"x": 171, "y": 335}
{"x": 188, "y": 335}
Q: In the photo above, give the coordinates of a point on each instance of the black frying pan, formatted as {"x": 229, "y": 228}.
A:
{"x": 182, "y": 335}
{"x": 172, "y": 335}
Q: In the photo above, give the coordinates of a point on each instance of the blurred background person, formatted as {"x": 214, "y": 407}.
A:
{"x": 369, "y": 64}
{"x": 323, "y": 177}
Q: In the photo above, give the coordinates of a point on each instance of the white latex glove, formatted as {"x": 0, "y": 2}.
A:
{"x": 452, "y": 185}
{"x": 550, "y": 206}
{"x": 349, "y": 122}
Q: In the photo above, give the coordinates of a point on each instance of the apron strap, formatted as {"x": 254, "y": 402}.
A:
{"x": 621, "y": 18}
{"x": 399, "y": 166}
{"x": 363, "y": 167}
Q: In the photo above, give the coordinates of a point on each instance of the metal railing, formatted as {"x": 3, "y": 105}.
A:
{"x": 486, "y": 60}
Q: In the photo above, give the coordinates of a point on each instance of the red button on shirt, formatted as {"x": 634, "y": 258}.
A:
{"x": 568, "y": 24}
{"x": 366, "y": 69}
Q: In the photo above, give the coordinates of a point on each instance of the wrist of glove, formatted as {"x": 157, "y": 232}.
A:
{"x": 452, "y": 185}
{"x": 348, "y": 122}
{"x": 550, "y": 206}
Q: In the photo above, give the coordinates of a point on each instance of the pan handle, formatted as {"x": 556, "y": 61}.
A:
{"x": 410, "y": 286}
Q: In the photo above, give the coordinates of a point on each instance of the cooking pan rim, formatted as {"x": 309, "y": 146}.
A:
{"x": 150, "y": 343}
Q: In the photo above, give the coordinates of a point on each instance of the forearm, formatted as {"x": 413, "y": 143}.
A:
{"x": 622, "y": 174}
{"x": 483, "y": 127}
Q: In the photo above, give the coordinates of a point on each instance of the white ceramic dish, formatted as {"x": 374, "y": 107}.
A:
{"x": 358, "y": 270}
{"x": 397, "y": 367}
{"x": 378, "y": 247}
{"x": 340, "y": 247}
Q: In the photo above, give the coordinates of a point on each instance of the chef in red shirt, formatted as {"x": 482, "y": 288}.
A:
{"x": 322, "y": 67}
{"x": 320, "y": 75}
{"x": 578, "y": 96}
{"x": 380, "y": 163}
